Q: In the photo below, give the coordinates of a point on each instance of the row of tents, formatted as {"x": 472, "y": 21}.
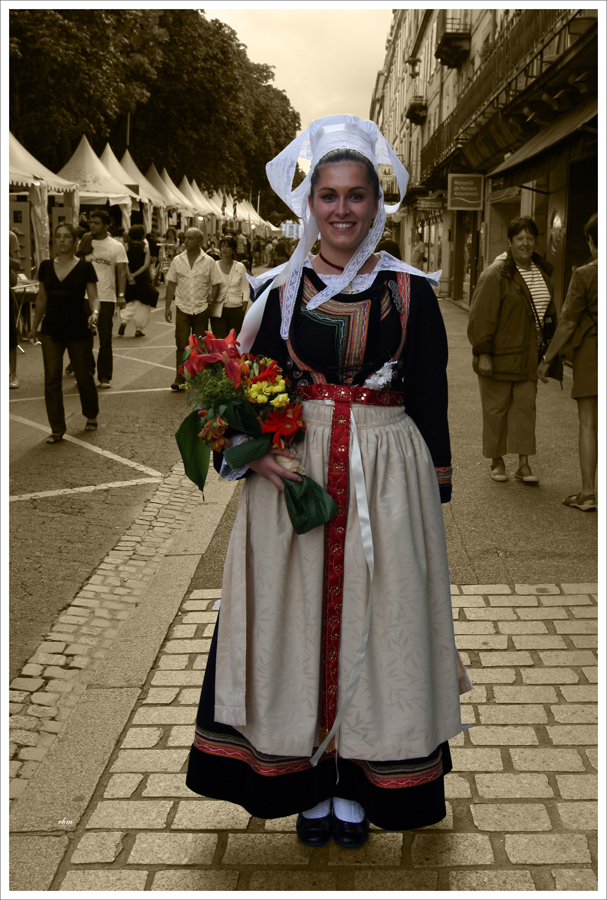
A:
{"x": 87, "y": 179}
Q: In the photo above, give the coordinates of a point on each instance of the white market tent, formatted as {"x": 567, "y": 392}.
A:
{"x": 25, "y": 170}
{"x": 197, "y": 201}
{"x": 192, "y": 211}
{"x": 171, "y": 199}
{"x": 214, "y": 200}
{"x": 136, "y": 176}
{"x": 96, "y": 183}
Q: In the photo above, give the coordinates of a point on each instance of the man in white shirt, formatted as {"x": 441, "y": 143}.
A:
{"x": 193, "y": 281}
{"x": 110, "y": 262}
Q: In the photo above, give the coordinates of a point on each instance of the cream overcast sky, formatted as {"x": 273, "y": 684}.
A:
{"x": 325, "y": 59}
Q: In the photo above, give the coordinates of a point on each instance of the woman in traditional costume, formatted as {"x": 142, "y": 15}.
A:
{"x": 333, "y": 681}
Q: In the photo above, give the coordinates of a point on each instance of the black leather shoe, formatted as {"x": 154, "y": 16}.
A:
{"x": 314, "y": 832}
{"x": 350, "y": 835}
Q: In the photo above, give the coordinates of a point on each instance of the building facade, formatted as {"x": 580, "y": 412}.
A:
{"x": 509, "y": 95}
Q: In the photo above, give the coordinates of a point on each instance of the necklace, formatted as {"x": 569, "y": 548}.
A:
{"x": 333, "y": 266}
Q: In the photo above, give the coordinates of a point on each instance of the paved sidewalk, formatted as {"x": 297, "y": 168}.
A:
{"x": 108, "y": 809}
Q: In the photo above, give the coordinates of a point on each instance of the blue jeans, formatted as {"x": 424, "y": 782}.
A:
{"x": 80, "y": 355}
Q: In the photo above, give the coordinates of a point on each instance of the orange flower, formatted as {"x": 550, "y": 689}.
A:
{"x": 284, "y": 423}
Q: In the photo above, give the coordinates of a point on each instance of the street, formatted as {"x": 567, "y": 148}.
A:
{"x": 114, "y": 594}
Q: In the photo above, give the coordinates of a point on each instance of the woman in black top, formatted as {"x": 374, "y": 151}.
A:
{"x": 140, "y": 294}
{"x": 69, "y": 321}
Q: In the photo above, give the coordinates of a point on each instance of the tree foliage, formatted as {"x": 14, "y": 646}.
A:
{"x": 198, "y": 105}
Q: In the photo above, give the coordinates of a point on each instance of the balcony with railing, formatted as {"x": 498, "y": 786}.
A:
{"x": 417, "y": 109}
{"x": 452, "y": 38}
{"x": 529, "y": 32}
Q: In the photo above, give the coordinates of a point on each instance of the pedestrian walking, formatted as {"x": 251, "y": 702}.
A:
{"x": 109, "y": 260}
{"x": 141, "y": 296}
{"x": 228, "y": 309}
{"x": 241, "y": 246}
{"x": 68, "y": 322}
{"x": 14, "y": 266}
{"x": 256, "y": 253}
{"x": 268, "y": 255}
{"x": 512, "y": 299}
{"x": 331, "y": 688}
{"x": 418, "y": 254}
{"x": 193, "y": 282}
{"x": 578, "y": 329}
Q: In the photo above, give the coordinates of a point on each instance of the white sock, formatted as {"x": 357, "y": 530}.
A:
{"x": 319, "y": 811}
{"x": 348, "y": 810}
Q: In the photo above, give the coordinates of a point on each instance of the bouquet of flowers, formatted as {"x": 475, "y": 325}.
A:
{"x": 251, "y": 395}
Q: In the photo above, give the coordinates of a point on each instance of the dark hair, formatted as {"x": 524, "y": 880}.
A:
{"x": 345, "y": 155}
{"x": 522, "y": 223}
{"x": 71, "y": 228}
{"x": 136, "y": 232}
{"x": 591, "y": 228}
{"x": 229, "y": 240}
{"x": 102, "y": 214}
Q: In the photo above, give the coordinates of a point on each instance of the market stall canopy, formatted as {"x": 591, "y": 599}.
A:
{"x": 96, "y": 183}
{"x": 198, "y": 201}
{"x": 214, "y": 200}
{"x": 115, "y": 168}
{"x": 23, "y": 168}
{"x": 175, "y": 190}
{"x": 146, "y": 188}
{"x": 170, "y": 198}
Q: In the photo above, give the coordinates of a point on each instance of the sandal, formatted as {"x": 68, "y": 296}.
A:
{"x": 55, "y": 437}
{"x": 575, "y": 501}
{"x": 526, "y": 475}
{"x": 90, "y": 425}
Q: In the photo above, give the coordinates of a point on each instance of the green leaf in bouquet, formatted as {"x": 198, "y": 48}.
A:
{"x": 195, "y": 453}
{"x": 308, "y": 504}
{"x": 243, "y": 454}
{"x": 222, "y": 409}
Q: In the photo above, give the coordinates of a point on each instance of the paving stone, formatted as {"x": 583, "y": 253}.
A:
{"x": 202, "y": 815}
{"x": 514, "y": 601}
{"x": 33, "y": 753}
{"x": 392, "y": 880}
{"x": 160, "y": 785}
{"x": 150, "y": 760}
{"x": 202, "y": 646}
{"x": 545, "y": 612}
{"x": 514, "y": 694}
{"x": 15, "y": 708}
{"x": 205, "y": 594}
{"x": 591, "y": 673}
{"x": 585, "y": 588}
{"x": 23, "y": 738}
{"x": 573, "y": 713}
{"x": 380, "y": 850}
{"x": 474, "y": 628}
{"x": 183, "y": 631}
{"x": 481, "y": 642}
{"x": 578, "y": 787}
{"x": 456, "y": 787}
{"x": 27, "y": 723}
{"x": 567, "y": 658}
{"x": 60, "y": 686}
{"x": 494, "y": 676}
{"x": 467, "y": 601}
{"x": 13, "y": 767}
{"x": 477, "y": 760}
{"x": 575, "y": 880}
{"x": 200, "y": 662}
{"x": 476, "y": 695}
{"x": 573, "y": 734}
{"x": 141, "y": 738}
{"x": 122, "y": 786}
{"x": 546, "y": 760}
{"x": 167, "y": 715}
{"x": 524, "y": 714}
{"x": 568, "y": 600}
{"x": 486, "y": 612}
{"x": 585, "y": 612}
{"x": 180, "y": 736}
{"x": 431, "y": 850}
{"x": 507, "y": 786}
{"x": 582, "y": 693}
{"x": 486, "y": 589}
{"x": 585, "y": 641}
{"x": 173, "y": 662}
{"x": 294, "y": 881}
{"x": 512, "y": 658}
{"x": 100, "y": 847}
{"x": 495, "y": 880}
{"x": 265, "y": 850}
{"x": 285, "y": 823}
{"x": 537, "y": 589}
{"x": 522, "y": 628}
{"x": 57, "y": 672}
{"x": 161, "y": 695}
{"x": 580, "y": 816}
{"x": 26, "y": 685}
{"x": 552, "y": 675}
{"x": 16, "y": 788}
{"x": 19, "y": 696}
{"x": 178, "y": 678}
{"x": 42, "y": 712}
{"x": 502, "y": 735}
{"x": 104, "y": 880}
{"x": 506, "y": 817}
{"x": 129, "y": 814}
{"x": 189, "y": 696}
{"x": 199, "y": 618}
{"x": 51, "y": 647}
{"x": 543, "y": 849}
{"x": 539, "y": 642}
{"x": 173, "y": 849}
{"x": 202, "y": 880}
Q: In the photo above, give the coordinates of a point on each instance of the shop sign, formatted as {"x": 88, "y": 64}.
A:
{"x": 465, "y": 191}
{"x": 430, "y": 204}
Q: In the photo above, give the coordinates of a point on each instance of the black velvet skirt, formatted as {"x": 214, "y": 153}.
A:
{"x": 397, "y": 795}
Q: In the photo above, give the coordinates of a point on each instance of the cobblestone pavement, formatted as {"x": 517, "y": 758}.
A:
{"x": 522, "y": 798}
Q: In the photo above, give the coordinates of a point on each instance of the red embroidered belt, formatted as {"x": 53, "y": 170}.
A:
{"x": 335, "y": 531}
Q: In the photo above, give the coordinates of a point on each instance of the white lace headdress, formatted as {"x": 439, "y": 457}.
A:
{"x": 322, "y": 136}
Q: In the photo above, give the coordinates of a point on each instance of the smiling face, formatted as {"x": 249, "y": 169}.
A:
{"x": 344, "y": 206}
{"x": 522, "y": 246}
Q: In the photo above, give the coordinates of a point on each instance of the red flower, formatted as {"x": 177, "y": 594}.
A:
{"x": 195, "y": 343}
{"x": 284, "y": 423}
{"x": 271, "y": 373}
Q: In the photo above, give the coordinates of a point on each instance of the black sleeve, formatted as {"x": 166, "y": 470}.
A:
{"x": 425, "y": 378}
{"x": 90, "y": 274}
{"x": 42, "y": 269}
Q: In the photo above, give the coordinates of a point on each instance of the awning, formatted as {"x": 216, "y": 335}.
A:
{"x": 554, "y": 146}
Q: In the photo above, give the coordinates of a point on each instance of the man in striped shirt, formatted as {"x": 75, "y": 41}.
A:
{"x": 193, "y": 281}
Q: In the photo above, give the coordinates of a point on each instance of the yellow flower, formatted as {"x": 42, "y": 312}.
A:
{"x": 262, "y": 398}
{"x": 280, "y": 401}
